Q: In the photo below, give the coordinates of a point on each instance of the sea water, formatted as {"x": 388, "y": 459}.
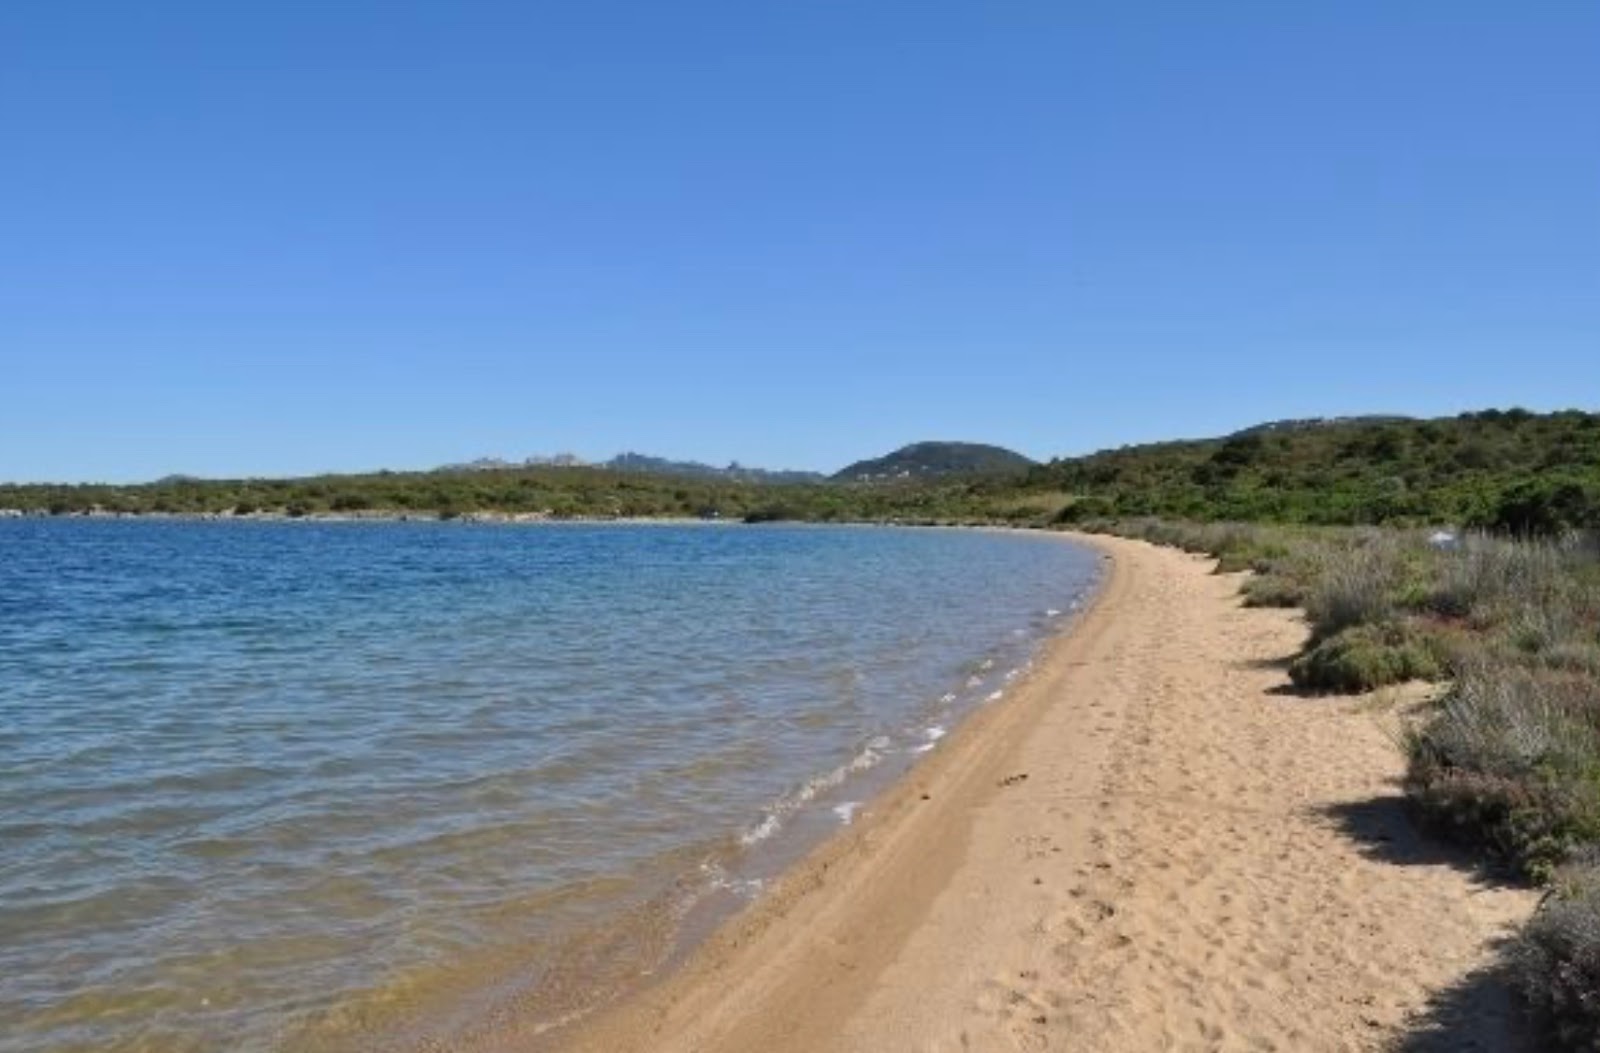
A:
{"x": 285, "y": 786}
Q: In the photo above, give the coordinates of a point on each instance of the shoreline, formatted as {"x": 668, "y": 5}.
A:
{"x": 496, "y": 519}
{"x": 810, "y": 891}
{"x": 1099, "y": 861}
{"x": 698, "y": 911}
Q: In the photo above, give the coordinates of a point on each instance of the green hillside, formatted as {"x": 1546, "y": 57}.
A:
{"x": 936, "y": 460}
{"x": 1510, "y": 469}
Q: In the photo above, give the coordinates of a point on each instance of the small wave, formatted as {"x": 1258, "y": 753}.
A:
{"x": 761, "y": 831}
{"x": 1052, "y": 613}
{"x": 846, "y": 811}
{"x": 995, "y": 696}
{"x": 947, "y": 697}
{"x": 934, "y": 733}
{"x": 773, "y": 821}
{"x": 721, "y": 881}
{"x": 864, "y": 760}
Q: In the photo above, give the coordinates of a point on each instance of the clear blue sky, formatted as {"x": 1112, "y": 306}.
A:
{"x": 275, "y": 238}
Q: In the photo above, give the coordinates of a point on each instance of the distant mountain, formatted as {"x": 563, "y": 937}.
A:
{"x": 734, "y": 472}
{"x": 499, "y": 464}
{"x": 643, "y": 464}
{"x": 930, "y": 460}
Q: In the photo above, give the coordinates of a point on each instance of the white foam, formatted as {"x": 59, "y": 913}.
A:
{"x": 1012, "y": 675}
{"x": 561, "y": 1021}
{"x": 720, "y": 880}
{"x": 1052, "y": 613}
{"x": 934, "y": 733}
{"x": 995, "y": 696}
{"x": 762, "y": 830}
{"x": 948, "y": 697}
{"x": 926, "y": 747}
{"x": 986, "y": 665}
{"x": 974, "y": 681}
{"x": 846, "y": 811}
{"x": 867, "y": 758}
{"x": 772, "y": 822}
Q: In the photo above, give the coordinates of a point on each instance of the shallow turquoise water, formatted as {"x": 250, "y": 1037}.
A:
{"x": 288, "y": 785}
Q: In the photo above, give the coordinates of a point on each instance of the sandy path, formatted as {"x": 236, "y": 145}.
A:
{"x": 1148, "y": 847}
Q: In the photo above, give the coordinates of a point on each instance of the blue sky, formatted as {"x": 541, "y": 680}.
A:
{"x": 290, "y": 237}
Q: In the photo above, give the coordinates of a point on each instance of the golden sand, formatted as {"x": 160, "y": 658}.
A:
{"x": 1151, "y": 845}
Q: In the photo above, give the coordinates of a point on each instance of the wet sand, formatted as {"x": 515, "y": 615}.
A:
{"x": 1150, "y": 845}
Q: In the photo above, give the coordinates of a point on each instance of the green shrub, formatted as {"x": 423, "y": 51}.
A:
{"x": 1547, "y": 507}
{"x": 1273, "y": 590}
{"x": 1364, "y": 657}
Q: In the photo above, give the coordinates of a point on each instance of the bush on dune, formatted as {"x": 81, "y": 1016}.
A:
{"x": 1273, "y": 591}
{"x": 1363, "y": 657}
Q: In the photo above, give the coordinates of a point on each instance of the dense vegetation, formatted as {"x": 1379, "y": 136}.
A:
{"x": 1511, "y": 470}
{"x": 1509, "y": 757}
{"x": 556, "y": 493}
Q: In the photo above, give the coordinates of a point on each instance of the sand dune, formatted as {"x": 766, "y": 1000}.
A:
{"x": 1149, "y": 846}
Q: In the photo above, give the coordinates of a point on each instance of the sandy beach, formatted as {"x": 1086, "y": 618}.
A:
{"x": 1151, "y": 845}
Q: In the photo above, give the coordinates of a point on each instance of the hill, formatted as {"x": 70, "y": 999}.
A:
{"x": 1510, "y": 469}
{"x": 936, "y": 460}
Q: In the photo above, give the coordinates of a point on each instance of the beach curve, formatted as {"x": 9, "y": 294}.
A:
{"x": 1148, "y": 845}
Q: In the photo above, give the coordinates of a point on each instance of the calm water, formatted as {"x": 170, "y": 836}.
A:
{"x": 337, "y": 786}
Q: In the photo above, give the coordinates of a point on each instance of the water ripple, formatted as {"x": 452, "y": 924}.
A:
{"x": 260, "y": 779}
